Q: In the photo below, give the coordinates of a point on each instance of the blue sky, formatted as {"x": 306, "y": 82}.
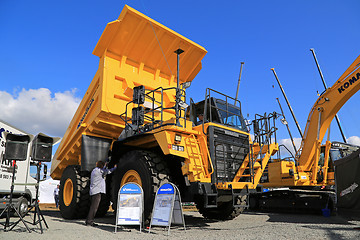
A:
{"x": 46, "y": 62}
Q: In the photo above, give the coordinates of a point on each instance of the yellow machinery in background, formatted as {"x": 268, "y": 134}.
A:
{"x": 134, "y": 114}
{"x": 312, "y": 167}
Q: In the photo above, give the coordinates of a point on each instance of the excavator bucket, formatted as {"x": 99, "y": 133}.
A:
{"x": 134, "y": 50}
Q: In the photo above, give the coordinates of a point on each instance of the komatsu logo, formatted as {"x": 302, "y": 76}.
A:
{"x": 165, "y": 190}
{"x": 85, "y": 113}
{"x": 349, "y": 189}
{"x": 349, "y": 82}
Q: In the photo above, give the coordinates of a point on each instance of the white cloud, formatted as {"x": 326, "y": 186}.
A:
{"x": 38, "y": 110}
{"x": 354, "y": 140}
{"x": 287, "y": 143}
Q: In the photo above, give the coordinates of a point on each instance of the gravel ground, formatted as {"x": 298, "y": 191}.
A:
{"x": 249, "y": 225}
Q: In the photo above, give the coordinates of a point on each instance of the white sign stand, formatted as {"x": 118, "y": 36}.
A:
{"x": 167, "y": 207}
{"x": 130, "y": 205}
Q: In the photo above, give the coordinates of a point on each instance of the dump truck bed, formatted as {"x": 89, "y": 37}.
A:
{"x": 134, "y": 50}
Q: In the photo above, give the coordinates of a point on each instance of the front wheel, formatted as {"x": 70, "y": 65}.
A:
{"x": 224, "y": 210}
{"x": 144, "y": 168}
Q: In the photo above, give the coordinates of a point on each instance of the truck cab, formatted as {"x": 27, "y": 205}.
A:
{"x": 217, "y": 111}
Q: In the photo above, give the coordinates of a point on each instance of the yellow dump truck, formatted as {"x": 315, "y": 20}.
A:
{"x": 134, "y": 114}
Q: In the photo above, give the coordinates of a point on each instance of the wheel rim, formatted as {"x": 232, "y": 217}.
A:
{"x": 131, "y": 176}
{"x": 23, "y": 207}
{"x": 68, "y": 192}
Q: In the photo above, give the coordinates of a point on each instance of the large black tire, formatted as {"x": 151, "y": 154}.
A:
{"x": 224, "y": 210}
{"x": 74, "y": 197}
{"x": 22, "y": 206}
{"x": 152, "y": 173}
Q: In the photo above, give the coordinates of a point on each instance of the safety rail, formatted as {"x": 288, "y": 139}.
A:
{"x": 209, "y": 158}
{"x": 143, "y": 117}
{"x": 264, "y": 128}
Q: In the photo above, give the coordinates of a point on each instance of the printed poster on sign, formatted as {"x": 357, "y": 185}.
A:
{"x": 130, "y": 205}
{"x": 129, "y": 209}
{"x": 162, "y": 211}
{"x": 167, "y": 207}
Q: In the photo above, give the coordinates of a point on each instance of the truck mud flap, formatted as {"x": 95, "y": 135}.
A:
{"x": 93, "y": 149}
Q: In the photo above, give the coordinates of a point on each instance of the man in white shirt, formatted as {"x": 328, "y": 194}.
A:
{"x": 97, "y": 187}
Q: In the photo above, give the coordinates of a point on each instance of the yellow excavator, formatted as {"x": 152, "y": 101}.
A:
{"x": 312, "y": 167}
{"x": 134, "y": 114}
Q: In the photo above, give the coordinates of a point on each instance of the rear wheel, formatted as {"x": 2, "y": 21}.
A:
{"x": 224, "y": 210}
{"x": 74, "y": 197}
{"x": 144, "y": 168}
{"x": 22, "y": 206}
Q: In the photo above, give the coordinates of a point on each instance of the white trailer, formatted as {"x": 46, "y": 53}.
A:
{"x": 24, "y": 189}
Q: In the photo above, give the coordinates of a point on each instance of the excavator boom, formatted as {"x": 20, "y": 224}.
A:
{"x": 323, "y": 112}
{"x": 313, "y": 166}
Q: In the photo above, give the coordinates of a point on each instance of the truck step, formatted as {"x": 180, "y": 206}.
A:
{"x": 245, "y": 175}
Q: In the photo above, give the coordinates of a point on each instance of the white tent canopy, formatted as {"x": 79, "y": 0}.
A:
{"x": 46, "y": 190}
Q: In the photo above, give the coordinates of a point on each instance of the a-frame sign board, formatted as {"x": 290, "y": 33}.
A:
{"x": 167, "y": 208}
{"x": 130, "y": 205}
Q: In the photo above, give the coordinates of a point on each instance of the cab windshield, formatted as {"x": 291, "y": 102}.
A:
{"x": 340, "y": 150}
{"x": 231, "y": 115}
{"x": 335, "y": 154}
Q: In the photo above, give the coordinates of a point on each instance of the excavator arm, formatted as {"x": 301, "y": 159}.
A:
{"x": 323, "y": 112}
